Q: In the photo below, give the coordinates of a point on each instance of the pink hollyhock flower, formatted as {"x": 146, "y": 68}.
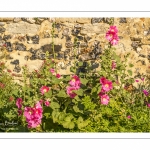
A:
{"x": 75, "y": 81}
{"x": 44, "y": 89}
{"x": 33, "y": 115}
{"x": 115, "y": 40}
{"x": 113, "y": 29}
{"x": 102, "y": 80}
{"x": 52, "y": 70}
{"x": 58, "y": 76}
{"x": 19, "y": 112}
{"x": 105, "y": 99}
{"x": 109, "y": 36}
{"x": 106, "y": 84}
{"x": 113, "y": 65}
{"x": 28, "y": 113}
{"x": 129, "y": 117}
{"x": 145, "y": 92}
{"x": 148, "y": 105}
{"x": 112, "y": 36}
{"x": 137, "y": 80}
{"x": 47, "y": 103}
{"x": 102, "y": 92}
{"x": 34, "y": 123}
{"x": 70, "y": 91}
{"x": 41, "y": 101}
{"x": 19, "y": 103}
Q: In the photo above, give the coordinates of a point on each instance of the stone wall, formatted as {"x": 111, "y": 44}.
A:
{"x": 24, "y": 41}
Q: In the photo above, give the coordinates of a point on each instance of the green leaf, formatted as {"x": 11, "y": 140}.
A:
{"x": 55, "y": 115}
{"x": 131, "y": 65}
{"x": 80, "y": 119}
{"x": 54, "y": 105}
{"x": 55, "y": 80}
{"x": 68, "y": 78}
{"x": 84, "y": 81}
{"x": 130, "y": 72}
{"x": 62, "y": 93}
{"x": 80, "y": 63}
{"x": 83, "y": 124}
{"x": 71, "y": 125}
{"x": 78, "y": 92}
{"x": 48, "y": 94}
{"x": 76, "y": 109}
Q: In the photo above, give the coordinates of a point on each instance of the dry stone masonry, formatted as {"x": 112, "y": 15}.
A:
{"x": 24, "y": 41}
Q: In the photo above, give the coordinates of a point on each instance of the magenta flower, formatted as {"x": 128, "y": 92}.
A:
{"x": 19, "y": 112}
{"x": 106, "y": 84}
{"x": 115, "y": 40}
{"x": 112, "y": 35}
{"x": 148, "y": 105}
{"x": 137, "y": 80}
{"x": 102, "y": 92}
{"x": 113, "y": 65}
{"x": 41, "y": 101}
{"x": 142, "y": 79}
{"x": 109, "y": 36}
{"x": 75, "y": 82}
{"x": 19, "y": 103}
{"x": 70, "y": 91}
{"x": 129, "y": 117}
{"x": 58, "y": 75}
{"x": 52, "y": 70}
{"x": 113, "y": 29}
{"x": 47, "y": 103}
{"x": 33, "y": 115}
{"x": 44, "y": 89}
{"x": 104, "y": 99}
{"x": 145, "y": 92}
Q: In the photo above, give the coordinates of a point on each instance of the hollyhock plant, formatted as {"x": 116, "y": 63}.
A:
{"x": 102, "y": 92}
{"x": 75, "y": 82}
{"x": 106, "y": 84}
{"x": 145, "y": 92}
{"x": 109, "y": 36}
{"x": 19, "y": 102}
{"x": 148, "y": 105}
{"x": 47, "y": 103}
{"x": 113, "y": 65}
{"x": 52, "y": 70}
{"x": 129, "y": 117}
{"x": 44, "y": 89}
{"x": 19, "y": 112}
{"x": 104, "y": 99}
{"x": 115, "y": 40}
{"x": 58, "y": 75}
{"x": 113, "y": 29}
{"x": 33, "y": 115}
{"x": 112, "y": 35}
{"x": 70, "y": 91}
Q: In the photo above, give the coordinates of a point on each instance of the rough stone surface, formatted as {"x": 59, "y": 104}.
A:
{"x": 25, "y": 40}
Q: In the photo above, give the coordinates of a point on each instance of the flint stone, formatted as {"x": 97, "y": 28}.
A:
{"x": 94, "y": 29}
{"x": 22, "y": 28}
